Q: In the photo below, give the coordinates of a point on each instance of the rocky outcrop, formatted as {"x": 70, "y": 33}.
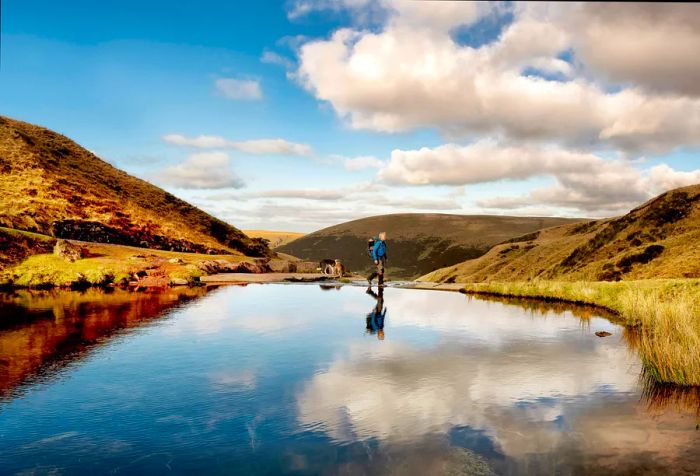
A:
{"x": 69, "y": 251}
{"x": 223, "y": 266}
{"x": 306, "y": 266}
{"x": 97, "y": 232}
{"x": 282, "y": 266}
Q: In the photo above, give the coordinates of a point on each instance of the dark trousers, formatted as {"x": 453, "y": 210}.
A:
{"x": 379, "y": 272}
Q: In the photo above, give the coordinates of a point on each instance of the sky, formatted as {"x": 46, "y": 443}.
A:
{"x": 300, "y": 114}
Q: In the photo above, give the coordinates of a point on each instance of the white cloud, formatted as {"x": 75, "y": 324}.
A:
{"x": 271, "y": 57}
{"x": 482, "y": 161}
{"x": 404, "y": 77}
{"x": 239, "y": 89}
{"x": 662, "y": 178}
{"x": 353, "y": 164}
{"x": 608, "y": 188}
{"x": 653, "y": 45}
{"x": 308, "y": 194}
{"x": 210, "y": 170}
{"x": 584, "y": 181}
{"x": 257, "y": 146}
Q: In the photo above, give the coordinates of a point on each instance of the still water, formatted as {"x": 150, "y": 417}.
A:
{"x": 302, "y": 379}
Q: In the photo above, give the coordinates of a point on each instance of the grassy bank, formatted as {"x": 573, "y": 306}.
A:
{"x": 667, "y": 313}
{"x": 105, "y": 264}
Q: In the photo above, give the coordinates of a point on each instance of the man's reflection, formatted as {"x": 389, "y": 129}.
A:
{"x": 375, "y": 319}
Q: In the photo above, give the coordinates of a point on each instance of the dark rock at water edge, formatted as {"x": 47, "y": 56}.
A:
{"x": 97, "y": 232}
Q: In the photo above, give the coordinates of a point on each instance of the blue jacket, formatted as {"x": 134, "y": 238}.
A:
{"x": 379, "y": 250}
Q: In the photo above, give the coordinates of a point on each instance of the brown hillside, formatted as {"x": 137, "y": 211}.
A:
{"x": 659, "y": 239}
{"x": 53, "y": 186}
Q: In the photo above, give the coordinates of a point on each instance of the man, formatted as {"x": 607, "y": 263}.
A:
{"x": 375, "y": 319}
{"x": 379, "y": 258}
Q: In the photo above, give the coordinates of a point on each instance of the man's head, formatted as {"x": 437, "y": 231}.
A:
{"x": 382, "y": 235}
{"x": 380, "y": 334}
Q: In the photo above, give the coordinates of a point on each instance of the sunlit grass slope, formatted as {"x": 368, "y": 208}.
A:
{"x": 659, "y": 239}
{"x": 46, "y": 178}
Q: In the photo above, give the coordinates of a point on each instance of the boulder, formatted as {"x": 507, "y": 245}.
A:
{"x": 209, "y": 267}
{"x": 226, "y": 266}
{"x": 307, "y": 266}
{"x": 69, "y": 251}
{"x": 178, "y": 282}
{"x": 254, "y": 267}
{"x": 175, "y": 261}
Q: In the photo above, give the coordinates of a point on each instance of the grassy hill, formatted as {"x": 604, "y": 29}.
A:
{"x": 53, "y": 186}
{"x": 659, "y": 239}
{"x": 417, "y": 242}
{"x": 275, "y": 238}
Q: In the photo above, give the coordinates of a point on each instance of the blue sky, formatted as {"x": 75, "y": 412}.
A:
{"x": 391, "y": 105}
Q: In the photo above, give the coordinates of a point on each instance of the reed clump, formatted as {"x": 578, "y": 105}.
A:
{"x": 666, "y": 313}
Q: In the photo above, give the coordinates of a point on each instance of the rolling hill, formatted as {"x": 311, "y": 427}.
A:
{"x": 275, "y": 238}
{"x": 659, "y": 239}
{"x": 417, "y": 242}
{"x": 53, "y": 186}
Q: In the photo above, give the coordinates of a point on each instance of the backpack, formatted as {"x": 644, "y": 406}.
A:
{"x": 370, "y": 246}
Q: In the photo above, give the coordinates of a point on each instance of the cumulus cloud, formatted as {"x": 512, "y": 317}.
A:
{"x": 482, "y": 161}
{"x": 654, "y": 45}
{"x": 607, "y": 188}
{"x": 662, "y": 177}
{"x": 239, "y": 89}
{"x": 210, "y": 170}
{"x": 583, "y": 181}
{"x": 412, "y": 73}
{"x": 258, "y": 146}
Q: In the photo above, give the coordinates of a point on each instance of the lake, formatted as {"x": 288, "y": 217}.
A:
{"x": 308, "y": 379}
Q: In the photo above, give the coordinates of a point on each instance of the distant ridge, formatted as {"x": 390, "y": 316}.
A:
{"x": 53, "y": 186}
{"x": 275, "y": 238}
{"x": 418, "y": 242}
{"x": 659, "y": 239}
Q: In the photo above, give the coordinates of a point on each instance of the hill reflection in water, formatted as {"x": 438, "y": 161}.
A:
{"x": 41, "y": 331}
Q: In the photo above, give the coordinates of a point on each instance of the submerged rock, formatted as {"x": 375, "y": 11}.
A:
{"x": 603, "y": 334}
